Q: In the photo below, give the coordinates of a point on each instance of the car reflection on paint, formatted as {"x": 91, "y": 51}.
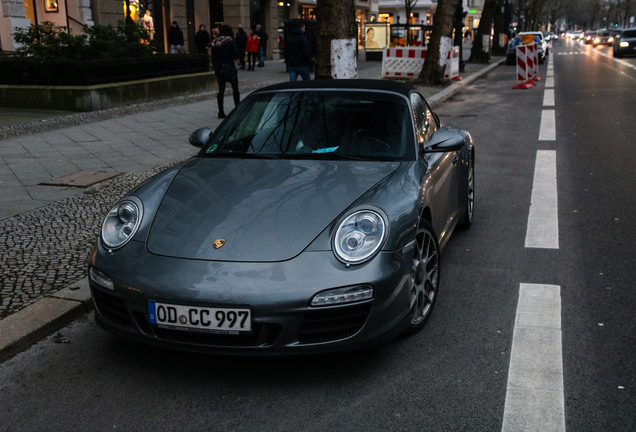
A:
{"x": 312, "y": 220}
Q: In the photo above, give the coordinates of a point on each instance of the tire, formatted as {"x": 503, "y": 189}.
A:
{"x": 466, "y": 219}
{"x": 425, "y": 273}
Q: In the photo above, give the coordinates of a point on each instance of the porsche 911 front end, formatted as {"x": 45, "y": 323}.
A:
{"x": 310, "y": 221}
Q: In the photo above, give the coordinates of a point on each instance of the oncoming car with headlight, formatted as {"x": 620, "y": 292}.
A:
{"x": 311, "y": 220}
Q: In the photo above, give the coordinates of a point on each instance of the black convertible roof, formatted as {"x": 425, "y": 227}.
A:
{"x": 343, "y": 84}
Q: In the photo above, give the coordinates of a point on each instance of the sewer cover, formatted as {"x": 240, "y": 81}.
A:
{"x": 81, "y": 178}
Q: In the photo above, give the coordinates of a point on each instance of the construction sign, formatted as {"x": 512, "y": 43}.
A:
{"x": 527, "y": 63}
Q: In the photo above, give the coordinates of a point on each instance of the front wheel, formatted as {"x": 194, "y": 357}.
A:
{"x": 424, "y": 277}
{"x": 466, "y": 219}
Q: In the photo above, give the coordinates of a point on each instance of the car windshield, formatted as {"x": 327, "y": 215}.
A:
{"x": 317, "y": 124}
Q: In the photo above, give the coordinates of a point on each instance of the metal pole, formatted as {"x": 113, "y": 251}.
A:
{"x": 459, "y": 34}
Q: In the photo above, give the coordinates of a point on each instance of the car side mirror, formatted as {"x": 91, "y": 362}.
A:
{"x": 200, "y": 137}
{"x": 445, "y": 140}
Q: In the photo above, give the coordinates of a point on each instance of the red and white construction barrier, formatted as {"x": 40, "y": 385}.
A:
{"x": 403, "y": 62}
{"x": 527, "y": 66}
{"x": 407, "y": 62}
{"x": 452, "y": 65}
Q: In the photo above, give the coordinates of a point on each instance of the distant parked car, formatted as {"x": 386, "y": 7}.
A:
{"x": 625, "y": 42}
{"x": 542, "y": 44}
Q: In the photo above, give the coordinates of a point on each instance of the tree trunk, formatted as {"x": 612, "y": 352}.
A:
{"x": 480, "y": 53}
{"x": 432, "y": 72}
{"x": 499, "y": 45}
{"x": 336, "y": 45}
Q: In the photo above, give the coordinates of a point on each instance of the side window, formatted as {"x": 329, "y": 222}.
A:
{"x": 425, "y": 123}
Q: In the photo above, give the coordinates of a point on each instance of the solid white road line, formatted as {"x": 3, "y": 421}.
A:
{"x": 534, "y": 396}
{"x": 547, "y": 131}
{"x": 543, "y": 219}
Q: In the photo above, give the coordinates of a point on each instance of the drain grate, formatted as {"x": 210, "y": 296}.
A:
{"x": 81, "y": 178}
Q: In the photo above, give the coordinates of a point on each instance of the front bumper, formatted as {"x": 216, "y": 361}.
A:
{"x": 278, "y": 294}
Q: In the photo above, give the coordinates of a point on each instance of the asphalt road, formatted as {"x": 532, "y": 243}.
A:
{"x": 453, "y": 375}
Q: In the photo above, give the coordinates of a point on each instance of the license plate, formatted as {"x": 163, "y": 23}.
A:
{"x": 206, "y": 319}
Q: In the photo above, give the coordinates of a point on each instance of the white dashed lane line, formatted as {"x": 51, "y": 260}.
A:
{"x": 534, "y": 394}
{"x": 547, "y": 132}
{"x": 548, "y": 99}
{"x": 534, "y": 397}
{"x": 543, "y": 219}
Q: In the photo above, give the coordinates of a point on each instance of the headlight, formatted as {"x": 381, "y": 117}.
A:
{"x": 359, "y": 236}
{"x": 121, "y": 223}
{"x": 624, "y": 44}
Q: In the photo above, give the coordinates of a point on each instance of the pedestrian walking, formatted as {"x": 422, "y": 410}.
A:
{"x": 262, "y": 44}
{"x": 241, "y": 43}
{"x": 297, "y": 54}
{"x": 175, "y": 38}
{"x": 224, "y": 54}
{"x": 252, "y": 49}
{"x": 202, "y": 40}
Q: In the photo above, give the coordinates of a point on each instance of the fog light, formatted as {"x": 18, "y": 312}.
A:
{"x": 342, "y": 295}
{"x": 101, "y": 279}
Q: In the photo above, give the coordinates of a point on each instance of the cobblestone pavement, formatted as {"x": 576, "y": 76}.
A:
{"x": 46, "y": 248}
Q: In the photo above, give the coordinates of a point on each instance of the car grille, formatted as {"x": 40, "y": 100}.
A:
{"x": 262, "y": 335}
{"x": 334, "y": 323}
{"x": 112, "y": 308}
{"x": 319, "y": 325}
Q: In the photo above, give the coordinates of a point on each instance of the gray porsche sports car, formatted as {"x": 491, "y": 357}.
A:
{"x": 311, "y": 220}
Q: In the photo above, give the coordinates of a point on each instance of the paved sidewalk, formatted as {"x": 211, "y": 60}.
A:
{"x": 61, "y": 172}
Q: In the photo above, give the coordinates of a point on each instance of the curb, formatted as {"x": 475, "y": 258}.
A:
{"x": 24, "y": 328}
{"x": 438, "y": 98}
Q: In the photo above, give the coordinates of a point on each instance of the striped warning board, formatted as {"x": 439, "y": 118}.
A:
{"x": 452, "y": 64}
{"x": 403, "y": 62}
{"x": 407, "y": 62}
{"x": 527, "y": 65}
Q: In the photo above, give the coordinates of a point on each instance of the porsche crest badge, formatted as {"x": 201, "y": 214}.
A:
{"x": 218, "y": 243}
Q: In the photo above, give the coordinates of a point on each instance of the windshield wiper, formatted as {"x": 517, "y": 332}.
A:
{"x": 322, "y": 156}
{"x": 239, "y": 155}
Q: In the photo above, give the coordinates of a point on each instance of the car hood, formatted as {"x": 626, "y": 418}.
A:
{"x": 263, "y": 210}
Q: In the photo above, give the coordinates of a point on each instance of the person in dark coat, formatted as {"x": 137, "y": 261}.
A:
{"x": 175, "y": 38}
{"x": 241, "y": 43}
{"x": 202, "y": 39}
{"x": 297, "y": 54}
{"x": 224, "y": 54}
{"x": 262, "y": 47}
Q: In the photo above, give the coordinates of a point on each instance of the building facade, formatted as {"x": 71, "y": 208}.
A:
{"x": 189, "y": 14}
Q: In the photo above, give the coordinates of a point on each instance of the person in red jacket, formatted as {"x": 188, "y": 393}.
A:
{"x": 252, "y": 49}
